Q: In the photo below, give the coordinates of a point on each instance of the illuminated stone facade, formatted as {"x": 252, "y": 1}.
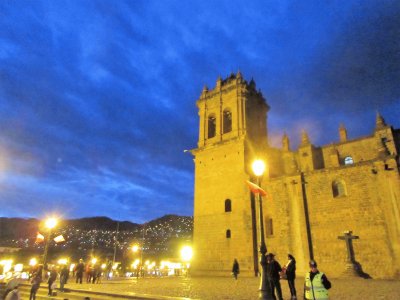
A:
{"x": 315, "y": 193}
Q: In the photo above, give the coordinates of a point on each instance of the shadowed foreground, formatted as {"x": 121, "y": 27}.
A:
{"x": 243, "y": 288}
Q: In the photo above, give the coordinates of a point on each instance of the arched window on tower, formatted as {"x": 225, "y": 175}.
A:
{"x": 227, "y": 124}
{"x": 228, "y": 234}
{"x": 228, "y": 205}
{"x": 338, "y": 188}
{"x": 211, "y": 126}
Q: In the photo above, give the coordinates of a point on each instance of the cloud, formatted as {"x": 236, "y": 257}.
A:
{"x": 97, "y": 101}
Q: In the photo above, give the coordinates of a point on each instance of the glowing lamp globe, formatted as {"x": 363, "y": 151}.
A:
{"x": 258, "y": 167}
{"x": 187, "y": 253}
{"x": 51, "y": 223}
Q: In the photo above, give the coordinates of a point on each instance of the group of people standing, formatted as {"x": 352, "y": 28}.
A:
{"x": 316, "y": 283}
{"x": 53, "y": 272}
{"x": 93, "y": 272}
{"x": 37, "y": 278}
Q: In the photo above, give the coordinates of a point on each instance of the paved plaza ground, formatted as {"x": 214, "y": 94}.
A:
{"x": 243, "y": 288}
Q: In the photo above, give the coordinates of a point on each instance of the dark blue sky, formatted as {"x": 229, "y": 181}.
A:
{"x": 97, "y": 98}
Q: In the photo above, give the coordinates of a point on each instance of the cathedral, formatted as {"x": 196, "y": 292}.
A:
{"x": 316, "y": 195}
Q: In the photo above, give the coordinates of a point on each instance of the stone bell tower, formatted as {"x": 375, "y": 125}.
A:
{"x": 232, "y": 133}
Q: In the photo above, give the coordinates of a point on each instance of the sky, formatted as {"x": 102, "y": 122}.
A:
{"x": 98, "y": 98}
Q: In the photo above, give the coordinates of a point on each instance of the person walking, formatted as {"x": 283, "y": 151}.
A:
{"x": 64, "y": 274}
{"x": 36, "y": 280}
{"x": 89, "y": 272}
{"x": 235, "y": 268}
{"x": 80, "y": 267}
{"x": 52, "y": 280}
{"x": 290, "y": 271}
{"x": 273, "y": 276}
{"x": 316, "y": 284}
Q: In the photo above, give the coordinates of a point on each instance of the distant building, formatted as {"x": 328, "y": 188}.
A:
{"x": 8, "y": 250}
{"x": 315, "y": 193}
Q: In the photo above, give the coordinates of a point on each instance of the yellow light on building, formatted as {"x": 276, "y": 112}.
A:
{"x": 7, "y": 263}
{"x": 62, "y": 261}
{"x": 18, "y": 267}
{"x": 94, "y": 260}
{"x": 186, "y": 253}
{"x": 162, "y": 264}
{"x": 33, "y": 262}
{"x": 103, "y": 266}
{"x": 135, "y": 248}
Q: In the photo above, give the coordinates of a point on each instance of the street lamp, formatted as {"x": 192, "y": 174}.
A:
{"x": 135, "y": 248}
{"x": 187, "y": 255}
{"x": 50, "y": 223}
{"x": 258, "y": 168}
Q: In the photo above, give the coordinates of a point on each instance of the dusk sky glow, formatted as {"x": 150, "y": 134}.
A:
{"x": 97, "y": 98}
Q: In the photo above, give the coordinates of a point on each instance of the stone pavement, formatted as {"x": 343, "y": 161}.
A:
{"x": 243, "y": 288}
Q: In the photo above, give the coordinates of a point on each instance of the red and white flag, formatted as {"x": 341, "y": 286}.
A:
{"x": 39, "y": 238}
{"x": 59, "y": 239}
{"x": 255, "y": 189}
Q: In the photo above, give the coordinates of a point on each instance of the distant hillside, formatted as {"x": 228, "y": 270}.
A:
{"x": 101, "y": 223}
{"x": 19, "y": 228}
{"x": 11, "y": 228}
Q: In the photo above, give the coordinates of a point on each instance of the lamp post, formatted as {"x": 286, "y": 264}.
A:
{"x": 135, "y": 249}
{"x": 187, "y": 255}
{"x": 50, "y": 223}
{"x": 258, "y": 167}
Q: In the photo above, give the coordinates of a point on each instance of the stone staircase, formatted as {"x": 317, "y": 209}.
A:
{"x": 24, "y": 290}
{"x": 72, "y": 294}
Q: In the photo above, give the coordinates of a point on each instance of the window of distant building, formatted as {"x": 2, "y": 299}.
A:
{"x": 211, "y": 126}
{"x": 348, "y": 160}
{"x": 338, "y": 188}
{"x": 228, "y": 205}
{"x": 227, "y": 121}
{"x": 228, "y": 234}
